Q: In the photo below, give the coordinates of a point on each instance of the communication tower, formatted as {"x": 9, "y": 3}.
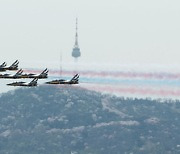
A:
{"x": 76, "y": 50}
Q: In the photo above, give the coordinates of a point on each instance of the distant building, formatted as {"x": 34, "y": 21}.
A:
{"x": 76, "y": 50}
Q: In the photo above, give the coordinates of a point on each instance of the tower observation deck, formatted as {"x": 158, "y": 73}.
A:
{"x": 76, "y": 50}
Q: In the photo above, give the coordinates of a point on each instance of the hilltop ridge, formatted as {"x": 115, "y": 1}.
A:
{"x": 65, "y": 119}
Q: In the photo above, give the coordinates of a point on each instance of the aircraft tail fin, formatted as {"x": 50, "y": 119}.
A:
{"x": 46, "y": 70}
{"x": 3, "y": 64}
{"x": 33, "y": 82}
{"x": 19, "y": 72}
{"x": 44, "y": 73}
{"x": 14, "y": 65}
{"x": 75, "y": 77}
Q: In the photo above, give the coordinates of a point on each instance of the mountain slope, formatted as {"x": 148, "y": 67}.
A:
{"x": 67, "y": 119}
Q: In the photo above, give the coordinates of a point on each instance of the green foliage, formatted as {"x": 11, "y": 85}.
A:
{"x": 54, "y": 120}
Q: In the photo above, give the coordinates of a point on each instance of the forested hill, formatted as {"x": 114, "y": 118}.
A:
{"x": 68, "y": 119}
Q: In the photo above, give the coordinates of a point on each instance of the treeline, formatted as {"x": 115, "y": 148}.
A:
{"x": 66, "y": 119}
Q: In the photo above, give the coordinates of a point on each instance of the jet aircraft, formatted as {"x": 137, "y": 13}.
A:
{"x": 74, "y": 80}
{"x": 43, "y": 75}
{"x": 14, "y": 66}
{"x": 19, "y": 75}
{"x": 15, "y": 76}
{"x": 33, "y": 83}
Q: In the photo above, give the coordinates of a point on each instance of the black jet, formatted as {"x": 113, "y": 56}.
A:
{"x": 19, "y": 75}
{"x": 74, "y": 80}
{"x": 33, "y": 83}
{"x": 15, "y": 76}
{"x": 43, "y": 75}
{"x": 12, "y": 67}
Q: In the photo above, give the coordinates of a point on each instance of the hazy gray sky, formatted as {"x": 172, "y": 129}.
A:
{"x": 112, "y": 31}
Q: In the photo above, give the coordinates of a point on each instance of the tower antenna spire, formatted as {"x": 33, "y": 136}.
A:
{"x": 76, "y": 36}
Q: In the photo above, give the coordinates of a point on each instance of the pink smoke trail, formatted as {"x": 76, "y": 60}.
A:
{"x": 118, "y": 74}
